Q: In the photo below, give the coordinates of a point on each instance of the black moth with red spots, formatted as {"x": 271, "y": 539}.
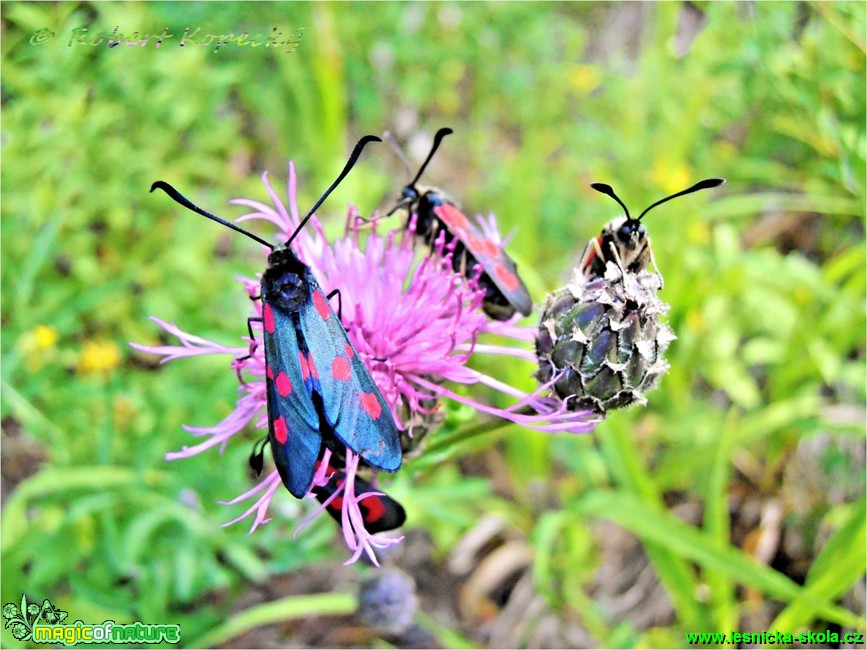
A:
{"x": 505, "y": 292}
{"x": 319, "y": 392}
{"x": 379, "y": 511}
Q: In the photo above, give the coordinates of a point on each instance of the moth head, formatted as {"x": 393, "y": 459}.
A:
{"x": 627, "y": 232}
{"x": 283, "y": 257}
{"x": 284, "y": 282}
{"x": 410, "y": 194}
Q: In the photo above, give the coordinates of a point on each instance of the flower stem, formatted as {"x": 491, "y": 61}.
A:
{"x": 488, "y": 426}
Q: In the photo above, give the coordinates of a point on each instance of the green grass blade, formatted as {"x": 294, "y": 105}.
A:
{"x": 675, "y": 575}
{"x": 718, "y": 528}
{"x": 687, "y": 542}
{"x": 284, "y": 609}
{"x": 839, "y": 565}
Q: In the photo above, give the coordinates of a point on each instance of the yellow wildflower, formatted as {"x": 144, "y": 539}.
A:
{"x": 45, "y": 336}
{"x": 98, "y": 356}
{"x": 584, "y": 78}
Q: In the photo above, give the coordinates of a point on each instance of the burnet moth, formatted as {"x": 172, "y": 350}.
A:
{"x": 505, "y": 292}
{"x": 319, "y": 392}
{"x": 378, "y": 510}
{"x": 624, "y": 240}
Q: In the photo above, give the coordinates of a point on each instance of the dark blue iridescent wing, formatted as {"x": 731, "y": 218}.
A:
{"x": 353, "y": 404}
{"x": 293, "y": 421}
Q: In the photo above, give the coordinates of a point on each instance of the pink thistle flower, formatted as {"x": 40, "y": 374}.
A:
{"x": 414, "y": 322}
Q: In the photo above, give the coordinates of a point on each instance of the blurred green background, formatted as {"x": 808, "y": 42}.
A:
{"x": 734, "y": 501}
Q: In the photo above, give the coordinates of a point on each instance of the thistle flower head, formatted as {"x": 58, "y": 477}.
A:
{"x": 407, "y": 317}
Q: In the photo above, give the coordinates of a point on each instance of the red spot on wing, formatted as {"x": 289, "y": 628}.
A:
{"x": 305, "y": 369}
{"x": 453, "y": 218}
{"x": 348, "y": 348}
{"x": 490, "y": 248}
{"x": 375, "y": 509}
{"x": 313, "y": 372}
{"x": 336, "y": 504}
{"x": 281, "y": 432}
{"x": 473, "y": 243}
{"x": 340, "y": 369}
{"x": 482, "y": 248}
{"x": 321, "y": 304}
{"x": 269, "y": 372}
{"x": 508, "y": 279}
{"x": 268, "y": 315}
{"x": 284, "y": 384}
{"x": 370, "y": 403}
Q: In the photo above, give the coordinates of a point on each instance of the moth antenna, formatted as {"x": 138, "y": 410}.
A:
{"x": 701, "y": 185}
{"x": 606, "y": 189}
{"x": 392, "y": 142}
{"x": 353, "y": 158}
{"x": 438, "y": 138}
{"x": 184, "y": 201}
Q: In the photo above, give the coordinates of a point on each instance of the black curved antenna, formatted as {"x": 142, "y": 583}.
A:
{"x": 701, "y": 185}
{"x": 606, "y": 189}
{"x": 438, "y": 138}
{"x": 353, "y": 158}
{"x": 184, "y": 201}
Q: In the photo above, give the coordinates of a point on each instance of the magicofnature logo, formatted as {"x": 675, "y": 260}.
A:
{"x": 44, "y": 624}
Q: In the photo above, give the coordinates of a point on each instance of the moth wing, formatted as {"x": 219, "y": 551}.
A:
{"x": 293, "y": 422}
{"x": 354, "y": 407}
{"x": 497, "y": 265}
{"x": 379, "y": 511}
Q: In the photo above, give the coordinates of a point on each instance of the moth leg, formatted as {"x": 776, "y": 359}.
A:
{"x": 336, "y": 292}
{"x": 590, "y": 250}
{"x": 366, "y": 223}
{"x": 598, "y": 247}
{"x": 655, "y": 267}
{"x": 617, "y": 259}
{"x": 253, "y": 343}
{"x": 253, "y": 346}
